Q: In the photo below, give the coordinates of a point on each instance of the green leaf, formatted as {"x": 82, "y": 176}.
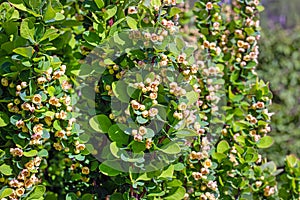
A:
{"x": 6, "y": 170}
{"x": 143, "y": 177}
{"x": 106, "y": 169}
{"x": 138, "y": 147}
{"x": 233, "y": 97}
{"x": 223, "y": 146}
{"x": 168, "y": 173}
{"x": 87, "y": 197}
{"x": 249, "y": 31}
{"x": 26, "y": 52}
{"x": 156, "y": 3}
{"x": 218, "y": 156}
{"x": 37, "y": 193}
{"x": 50, "y": 34}
{"x": 157, "y": 194}
{"x": 27, "y": 30}
{"x": 21, "y": 6}
{"x": 18, "y": 4}
{"x": 80, "y": 157}
{"x": 251, "y": 155}
{"x": 192, "y": 97}
{"x": 171, "y": 148}
{"x": 120, "y": 91}
{"x": 185, "y": 133}
{"x": 179, "y": 166}
{"x": 43, "y": 153}
{"x": 56, "y": 125}
{"x": 174, "y": 11}
{"x": 2, "y": 153}
{"x": 51, "y": 91}
{"x": 132, "y": 23}
{"x": 50, "y": 13}
{"x": 4, "y": 119}
{"x": 31, "y": 153}
{"x": 71, "y": 196}
{"x": 114, "y": 149}
{"x": 116, "y": 196}
{"x": 265, "y": 142}
{"x": 177, "y": 194}
{"x": 116, "y": 134}
{"x": 5, "y": 192}
{"x": 109, "y": 13}
{"x": 91, "y": 37}
{"x": 174, "y": 183}
{"x": 291, "y": 160}
{"x": 99, "y": 3}
{"x": 59, "y": 17}
{"x": 260, "y": 8}
{"x": 270, "y": 167}
{"x": 100, "y": 123}
{"x": 141, "y": 120}
{"x": 35, "y": 3}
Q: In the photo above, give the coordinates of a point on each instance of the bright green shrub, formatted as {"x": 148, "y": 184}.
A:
{"x": 64, "y": 134}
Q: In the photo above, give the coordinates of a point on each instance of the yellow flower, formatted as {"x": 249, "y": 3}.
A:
{"x": 80, "y": 147}
{"x": 209, "y": 5}
{"x": 207, "y": 163}
{"x": 181, "y": 58}
{"x": 85, "y": 170}
{"x": 260, "y": 105}
{"x": 142, "y": 130}
{"x": 61, "y": 115}
{"x": 37, "y": 161}
{"x": 60, "y": 133}
{"x": 41, "y": 80}
{"x": 24, "y": 84}
{"x": 138, "y": 138}
{"x": 132, "y": 10}
{"x": 67, "y": 100}
{"x": 20, "y": 191}
{"x": 37, "y": 99}
{"x": 30, "y": 165}
{"x": 28, "y": 183}
{"x": 54, "y": 101}
{"x": 4, "y": 82}
{"x": 197, "y": 175}
{"x": 38, "y": 129}
{"x": 57, "y": 146}
{"x": 16, "y": 152}
{"x": 153, "y": 112}
{"x": 18, "y": 87}
{"x": 66, "y": 85}
{"x": 14, "y": 183}
{"x": 135, "y": 105}
{"x": 57, "y": 74}
{"x": 20, "y": 123}
{"x": 148, "y": 143}
{"x": 153, "y": 95}
{"x": 182, "y": 106}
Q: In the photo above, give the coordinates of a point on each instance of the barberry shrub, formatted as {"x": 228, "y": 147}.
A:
{"x": 109, "y": 100}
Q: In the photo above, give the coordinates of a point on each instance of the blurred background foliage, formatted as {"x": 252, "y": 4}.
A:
{"x": 280, "y": 65}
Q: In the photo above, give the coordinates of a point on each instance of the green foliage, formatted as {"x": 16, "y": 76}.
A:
{"x": 106, "y": 100}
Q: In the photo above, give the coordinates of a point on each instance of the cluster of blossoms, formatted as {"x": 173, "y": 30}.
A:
{"x": 176, "y": 95}
{"x": 200, "y": 161}
{"x": 26, "y": 178}
{"x": 32, "y": 98}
